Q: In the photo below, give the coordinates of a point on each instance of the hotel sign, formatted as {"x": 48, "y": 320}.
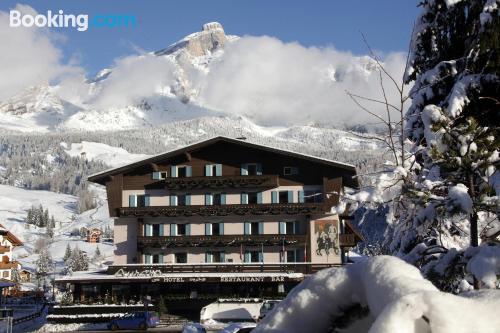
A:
{"x": 159, "y": 276}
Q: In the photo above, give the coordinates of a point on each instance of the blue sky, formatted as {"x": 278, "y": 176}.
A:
{"x": 386, "y": 23}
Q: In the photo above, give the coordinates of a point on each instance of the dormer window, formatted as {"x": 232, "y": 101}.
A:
{"x": 180, "y": 171}
{"x": 251, "y": 169}
{"x": 159, "y": 175}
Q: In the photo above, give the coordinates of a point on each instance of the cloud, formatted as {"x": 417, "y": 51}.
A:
{"x": 286, "y": 83}
{"x": 29, "y": 56}
{"x": 133, "y": 78}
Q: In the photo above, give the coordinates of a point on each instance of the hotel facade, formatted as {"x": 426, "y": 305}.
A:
{"x": 223, "y": 217}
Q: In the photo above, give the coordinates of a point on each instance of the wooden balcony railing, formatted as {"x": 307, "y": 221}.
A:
{"x": 220, "y": 182}
{"x": 219, "y": 240}
{"x": 222, "y": 210}
{"x": 299, "y": 267}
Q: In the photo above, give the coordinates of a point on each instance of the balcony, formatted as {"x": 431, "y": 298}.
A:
{"x": 221, "y": 182}
{"x": 223, "y": 210}
{"x": 219, "y": 241}
{"x": 145, "y": 269}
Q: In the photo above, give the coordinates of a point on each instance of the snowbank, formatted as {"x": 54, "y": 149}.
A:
{"x": 380, "y": 295}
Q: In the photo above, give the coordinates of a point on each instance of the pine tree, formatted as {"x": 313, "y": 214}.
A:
{"x": 453, "y": 126}
{"x": 44, "y": 264}
{"x": 67, "y": 253}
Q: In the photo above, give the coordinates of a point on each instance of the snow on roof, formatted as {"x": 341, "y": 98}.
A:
{"x": 202, "y": 143}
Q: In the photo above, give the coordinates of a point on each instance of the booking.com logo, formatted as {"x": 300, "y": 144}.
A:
{"x": 60, "y": 20}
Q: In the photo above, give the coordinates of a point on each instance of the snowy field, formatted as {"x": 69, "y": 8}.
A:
{"x": 14, "y": 204}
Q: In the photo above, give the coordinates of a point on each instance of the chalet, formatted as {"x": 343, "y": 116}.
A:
{"x": 94, "y": 235}
{"x": 7, "y": 243}
{"x": 25, "y": 275}
{"x": 222, "y": 217}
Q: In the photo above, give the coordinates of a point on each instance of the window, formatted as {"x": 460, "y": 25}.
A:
{"x": 182, "y": 200}
{"x": 181, "y": 230}
{"x": 157, "y": 259}
{"x": 180, "y": 258}
{"x": 158, "y": 175}
{"x": 283, "y": 197}
{"x": 290, "y": 256}
{"x": 215, "y": 199}
{"x": 253, "y": 198}
{"x": 5, "y": 274}
{"x": 215, "y": 256}
{"x": 213, "y": 170}
{"x": 157, "y": 228}
{"x": 217, "y": 229}
{"x": 290, "y": 228}
{"x": 251, "y": 169}
{"x": 254, "y": 228}
{"x": 143, "y": 200}
{"x": 289, "y": 171}
{"x": 181, "y": 171}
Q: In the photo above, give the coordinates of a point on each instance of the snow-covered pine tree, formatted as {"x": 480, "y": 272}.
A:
{"x": 43, "y": 265}
{"x": 454, "y": 127}
{"x": 67, "y": 253}
{"x": 78, "y": 261}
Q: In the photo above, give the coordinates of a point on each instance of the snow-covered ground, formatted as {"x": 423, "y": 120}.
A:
{"x": 14, "y": 204}
{"x": 381, "y": 294}
{"x": 112, "y": 156}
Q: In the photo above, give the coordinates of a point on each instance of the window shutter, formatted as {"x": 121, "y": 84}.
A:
{"x": 247, "y": 228}
{"x": 189, "y": 171}
{"x": 248, "y": 257}
{"x": 188, "y": 199}
{"x": 261, "y": 228}
{"x": 208, "y": 229}
{"x": 208, "y": 199}
{"x": 259, "y": 198}
{"x": 261, "y": 256}
{"x": 188, "y": 229}
{"x": 173, "y": 171}
{"x": 282, "y": 228}
{"x": 173, "y": 229}
{"x": 244, "y": 170}
{"x": 218, "y": 169}
{"x": 295, "y": 227}
{"x": 244, "y": 198}
{"x": 223, "y": 198}
{"x": 148, "y": 259}
{"x": 259, "y": 169}
{"x": 132, "y": 200}
{"x": 173, "y": 200}
{"x": 274, "y": 197}
{"x": 290, "y": 196}
{"x": 208, "y": 257}
{"x": 150, "y": 230}
{"x": 162, "y": 229}
{"x": 160, "y": 258}
{"x": 147, "y": 200}
{"x": 221, "y": 228}
{"x": 208, "y": 170}
{"x": 156, "y": 175}
{"x": 222, "y": 257}
{"x": 145, "y": 230}
{"x": 301, "y": 197}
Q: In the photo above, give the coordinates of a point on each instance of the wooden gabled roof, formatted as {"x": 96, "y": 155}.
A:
{"x": 10, "y": 236}
{"x": 102, "y": 177}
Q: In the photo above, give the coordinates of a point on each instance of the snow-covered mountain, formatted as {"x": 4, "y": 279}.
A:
{"x": 112, "y": 101}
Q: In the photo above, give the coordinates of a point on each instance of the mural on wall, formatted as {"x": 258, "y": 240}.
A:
{"x": 327, "y": 238}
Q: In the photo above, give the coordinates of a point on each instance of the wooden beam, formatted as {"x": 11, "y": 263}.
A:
{"x": 154, "y": 166}
{"x": 188, "y": 156}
